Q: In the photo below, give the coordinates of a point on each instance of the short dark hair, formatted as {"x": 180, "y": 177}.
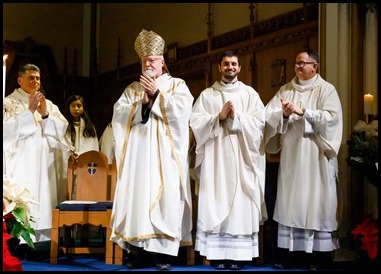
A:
{"x": 312, "y": 54}
{"x": 229, "y": 53}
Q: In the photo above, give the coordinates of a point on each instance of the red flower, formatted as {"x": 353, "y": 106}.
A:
{"x": 9, "y": 216}
{"x": 10, "y": 263}
{"x": 368, "y": 233}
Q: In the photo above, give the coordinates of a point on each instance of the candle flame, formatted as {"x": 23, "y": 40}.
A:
{"x": 5, "y": 57}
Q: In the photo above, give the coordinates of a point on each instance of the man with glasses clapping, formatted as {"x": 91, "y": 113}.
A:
{"x": 304, "y": 121}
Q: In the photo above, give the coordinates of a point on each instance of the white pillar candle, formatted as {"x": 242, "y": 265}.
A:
{"x": 368, "y": 104}
{"x": 4, "y": 72}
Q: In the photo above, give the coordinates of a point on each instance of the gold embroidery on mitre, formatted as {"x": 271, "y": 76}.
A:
{"x": 149, "y": 43}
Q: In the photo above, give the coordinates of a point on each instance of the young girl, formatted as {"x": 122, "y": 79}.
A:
{"x": 81, "y": 131}
{"x": 82, "y": 136}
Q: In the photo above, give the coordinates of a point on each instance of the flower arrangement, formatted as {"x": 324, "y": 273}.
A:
{"x": 10, "y": 263}
{"x": 363, "y": 150}
{"x": 16, "y": 210}
{"x": 363, "y": 157}
{"x": 367, "y": 234}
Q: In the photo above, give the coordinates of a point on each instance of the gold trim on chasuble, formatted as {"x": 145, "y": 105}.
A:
{"x": 179, "y": 166}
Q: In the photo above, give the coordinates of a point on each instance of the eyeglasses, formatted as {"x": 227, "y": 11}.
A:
{"x": 150, "y": 60}
{"x": 301, "y": 64}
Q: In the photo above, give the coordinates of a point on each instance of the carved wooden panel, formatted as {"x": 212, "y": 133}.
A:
{"x": 278, "y": 72}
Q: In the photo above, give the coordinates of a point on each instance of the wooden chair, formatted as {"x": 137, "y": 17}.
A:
{"x": 91, "y": 186}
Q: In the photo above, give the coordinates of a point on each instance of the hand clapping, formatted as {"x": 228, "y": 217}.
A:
{"x": 148, "y": 83}
{"x": 227, "y": 111}
{"x": 289, "y": 108}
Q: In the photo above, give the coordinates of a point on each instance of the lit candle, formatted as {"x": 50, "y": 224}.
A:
{"x": 4, "y": 72}
{"x": 368, "y": 104}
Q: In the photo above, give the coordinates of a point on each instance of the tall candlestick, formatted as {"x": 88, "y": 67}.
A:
{"x": 4, "y": 72}
{"x": 368, "y": 104}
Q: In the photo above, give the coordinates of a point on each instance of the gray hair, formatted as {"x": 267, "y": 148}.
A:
{"x": 24, "y": 68}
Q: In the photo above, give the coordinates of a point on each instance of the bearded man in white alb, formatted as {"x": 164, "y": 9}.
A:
{"x": 228, "y": 124}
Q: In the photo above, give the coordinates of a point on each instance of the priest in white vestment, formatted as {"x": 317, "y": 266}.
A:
{"x": 304, "y": 123}
{"x": 33, "y": 128}
{"x": 150, "y": 123}
{"x": 228, "y": 124}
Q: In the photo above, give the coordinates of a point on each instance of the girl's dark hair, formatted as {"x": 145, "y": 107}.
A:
{"x": 89, "y": 130}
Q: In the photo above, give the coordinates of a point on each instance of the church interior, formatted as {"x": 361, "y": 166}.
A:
{"x": 87, "y": 49}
